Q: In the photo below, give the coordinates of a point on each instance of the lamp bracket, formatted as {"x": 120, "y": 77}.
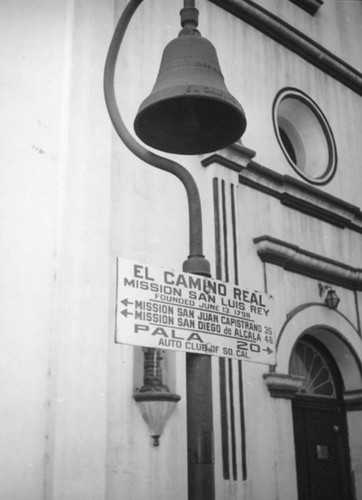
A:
{"x": 323, "y": 289}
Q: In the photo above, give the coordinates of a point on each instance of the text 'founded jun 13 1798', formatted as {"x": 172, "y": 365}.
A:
{"x": 167, "y": 309}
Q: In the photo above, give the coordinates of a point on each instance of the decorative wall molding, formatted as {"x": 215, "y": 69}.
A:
{"x": 303, "y": 197}
{"x": 231, "y": 392}
{"x": 291, "y": 192}
{"x": 236, "y": 157}
{"x": 281, "y": 385}
{"x": 353, "y": 400}
{"x": 310, "y": 6}
{"x": 294, "y": 40}
{"x": 294, "y": 259}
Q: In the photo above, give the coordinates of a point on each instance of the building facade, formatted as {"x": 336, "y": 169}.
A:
{"x": 281, "y": 214}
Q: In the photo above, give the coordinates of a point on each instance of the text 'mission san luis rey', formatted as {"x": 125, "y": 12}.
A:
{"x": 167, "y": 309}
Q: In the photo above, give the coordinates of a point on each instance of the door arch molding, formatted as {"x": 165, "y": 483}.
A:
{"x": 320, "y": 424}
{"x": 344, "y": 343}
{"x": 334, "y": 331}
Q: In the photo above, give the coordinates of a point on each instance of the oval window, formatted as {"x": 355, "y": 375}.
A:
{"x": 304, "y": 136}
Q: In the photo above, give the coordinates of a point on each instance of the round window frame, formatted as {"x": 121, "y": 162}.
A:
{"x": 331, "y": 167}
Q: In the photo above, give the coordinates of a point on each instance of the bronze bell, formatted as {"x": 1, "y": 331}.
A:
{"x": 190, "y": 111}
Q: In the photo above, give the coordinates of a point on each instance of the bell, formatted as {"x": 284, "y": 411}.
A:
{"x": 190, "y": 111}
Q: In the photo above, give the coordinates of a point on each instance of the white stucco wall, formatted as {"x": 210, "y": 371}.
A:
{"x": 72, "y": 199}
{"x": 55, "y": 207}
{"x": 31, "y": 81}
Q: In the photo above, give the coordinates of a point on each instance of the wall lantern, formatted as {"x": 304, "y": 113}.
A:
{"x": 331, "y": 299}
{"x": 155, "y": 400}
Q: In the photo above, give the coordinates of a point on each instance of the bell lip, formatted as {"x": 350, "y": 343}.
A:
{"x": 200, "y": 146}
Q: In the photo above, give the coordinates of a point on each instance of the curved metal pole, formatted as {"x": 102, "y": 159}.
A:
{"x": 198, "y": 372}
{"x": 196, "y": 262}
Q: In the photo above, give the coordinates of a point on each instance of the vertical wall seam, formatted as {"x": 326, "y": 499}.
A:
{"x": 224, "y": 424}
{"x": 240, "y": 363}
{"x": 242, "y": 424}
{"x": 234, "y": 233}
{"x": 225, "y": 231}
{"x": 222, "y": 366}
{"x": 230, "y": 363}
{"x": 217, "y": 228}
{"x": 232, "y": 420}
{"x": 62, "y": 193}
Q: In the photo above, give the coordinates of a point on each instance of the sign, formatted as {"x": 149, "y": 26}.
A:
{"x": 185, "y": 312}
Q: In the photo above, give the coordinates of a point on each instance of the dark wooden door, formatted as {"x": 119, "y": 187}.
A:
{"x": 321, "y": 445}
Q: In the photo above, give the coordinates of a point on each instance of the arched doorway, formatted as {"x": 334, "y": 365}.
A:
{"x": 320, "y": 428}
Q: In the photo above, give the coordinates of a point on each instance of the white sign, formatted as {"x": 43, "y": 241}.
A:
{"x": 186, "y": 312}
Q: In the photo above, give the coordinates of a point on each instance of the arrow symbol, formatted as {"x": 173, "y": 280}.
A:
{"x": 125, "y": 302}
{"x": 268, "y": 350}
{"x": 126, "y": 313}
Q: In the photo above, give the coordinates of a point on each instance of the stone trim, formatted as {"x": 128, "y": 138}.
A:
{"x": 291, "y": 192}
{"x": 281, "y": 385}
{"x": 353, "y": 400}
{"x": 235, "y": 157}
{"x": 294, "y": 40}
{"x": 310, "y": 6}
{"x": 295, "y": 259}
{"x": 308, "y": 199}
